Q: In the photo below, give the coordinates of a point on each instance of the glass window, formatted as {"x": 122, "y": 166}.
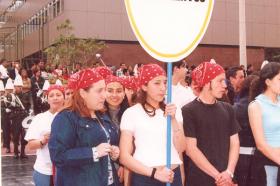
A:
{"x": 58, "y": 7}
{"x": 47, "y": 13}
{"x": 50, "y": 11}
{"x": 54, "y": 9}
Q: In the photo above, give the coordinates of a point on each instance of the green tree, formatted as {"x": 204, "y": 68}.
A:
{"x": 68, "y": 50}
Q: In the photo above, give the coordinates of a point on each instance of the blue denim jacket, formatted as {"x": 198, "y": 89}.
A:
{"x": 70, "y": 145}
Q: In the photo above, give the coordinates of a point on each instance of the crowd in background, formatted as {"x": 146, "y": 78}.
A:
{"x": 105, "y": 125}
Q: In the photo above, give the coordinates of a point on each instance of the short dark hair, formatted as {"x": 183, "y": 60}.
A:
{"x": 249, "y": 66}
{"x": 232, "y": 72}
{"x": 178, "y": 64}
{"x": 125, "y": 70}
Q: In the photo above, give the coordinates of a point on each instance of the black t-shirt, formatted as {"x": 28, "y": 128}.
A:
{"x": 212, "y": 125}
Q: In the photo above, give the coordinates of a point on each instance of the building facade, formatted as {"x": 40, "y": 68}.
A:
{"x": 107, "y": 20}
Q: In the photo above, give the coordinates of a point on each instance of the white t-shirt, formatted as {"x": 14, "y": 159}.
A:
{"x": 181, "y": 96}
{"x": 41, "y": 124}
{"x": 4, "y": 72}
{"x": 150, "y": 136}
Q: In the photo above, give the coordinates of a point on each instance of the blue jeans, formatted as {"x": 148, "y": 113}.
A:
{"x": 41, "y": 179}
{"x": 140, "y": 180}
{"x": 271, "y": 175}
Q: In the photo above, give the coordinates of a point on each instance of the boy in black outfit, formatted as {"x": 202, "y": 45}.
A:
{"x": 211, "y": 130}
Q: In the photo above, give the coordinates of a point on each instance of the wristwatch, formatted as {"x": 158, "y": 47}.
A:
{"x": 230, "y": 173}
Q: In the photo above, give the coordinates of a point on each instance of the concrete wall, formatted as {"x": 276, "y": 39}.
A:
{"x": 131, "y": 53}
{"x": 107, "y": 19}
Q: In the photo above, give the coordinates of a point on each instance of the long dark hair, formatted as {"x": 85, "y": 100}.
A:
{"x": 123, "y": 106}
{"x": 269, "y": 71}
{"x": 246, "y": 85}
{"x": 142, "y": 99}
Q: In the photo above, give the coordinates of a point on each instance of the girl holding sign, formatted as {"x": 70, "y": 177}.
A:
{"x": 144, "y": 125}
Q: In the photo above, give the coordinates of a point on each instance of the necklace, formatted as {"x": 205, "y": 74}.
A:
{"x": 103, "y": 128}
{"x": 152, "y": 112}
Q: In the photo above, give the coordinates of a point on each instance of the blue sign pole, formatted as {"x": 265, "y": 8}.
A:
{"x": 169, "y": 94}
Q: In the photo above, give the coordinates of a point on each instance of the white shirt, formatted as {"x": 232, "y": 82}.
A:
{"x": 17, "y": 72}
{"x": 41, "y": 124}
{"x": 180, "y": 97}
{"x": 150, "y": 136}
{"x": 4, "y": 72}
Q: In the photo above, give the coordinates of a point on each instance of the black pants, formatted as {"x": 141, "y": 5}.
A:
{"x": 6, "y": 127}
{"x": 36, "y": 105}
{"x": 18, "y": 134}
{"x": 243, "y": 170}
{"x": 140, "y": 180}
{"x": 258, "y": 174}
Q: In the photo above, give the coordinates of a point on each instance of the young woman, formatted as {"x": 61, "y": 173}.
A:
{"x": 265, "y": 124}
{"x": 247, "y": 142}
{"x": 145, "y": 124}
{"x": 37, "y": 83}
{"x": 83, "y": 141}
{"x": 26, "y": 81}
{"x": 131, "y": 87}
{"x": 116, "y": 103}
{"x": 68, "y": 95}
{"x": 38, "y": 136}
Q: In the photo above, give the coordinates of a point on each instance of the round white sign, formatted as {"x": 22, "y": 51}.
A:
{"x": 169, "y": 30}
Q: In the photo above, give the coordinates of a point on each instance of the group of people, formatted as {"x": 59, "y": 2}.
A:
{"x": 21, "y": 92}
{"x": 107, "y": 130}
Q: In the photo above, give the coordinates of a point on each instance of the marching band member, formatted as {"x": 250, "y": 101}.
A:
{"x": 9, "y": 88}
{"x": 38, "y": 136}
{"x": 19, "y": 103}
{"x": 43, "y": 98}
{"x": 5, "y": 122}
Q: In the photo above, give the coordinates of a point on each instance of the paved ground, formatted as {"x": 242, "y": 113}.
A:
{"x": 17, "y": 172}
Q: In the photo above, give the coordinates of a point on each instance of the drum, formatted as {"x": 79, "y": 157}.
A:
{"x": 27, "y": 121}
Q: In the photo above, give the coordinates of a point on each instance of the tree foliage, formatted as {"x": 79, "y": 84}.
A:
{"x": 69, "y": 50}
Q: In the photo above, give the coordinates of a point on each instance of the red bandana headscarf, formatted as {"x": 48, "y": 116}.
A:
{"x": 83, "y": 79}
{"x": 104, "y": 71}
{"x": 149, "y": 72}
{"x": 72, "y": 81}
{"x": 55, "y": 87}
{"x": 111, "y": 79}
{"x": 205, "y": 72}
{"x": 130, "y": 82}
